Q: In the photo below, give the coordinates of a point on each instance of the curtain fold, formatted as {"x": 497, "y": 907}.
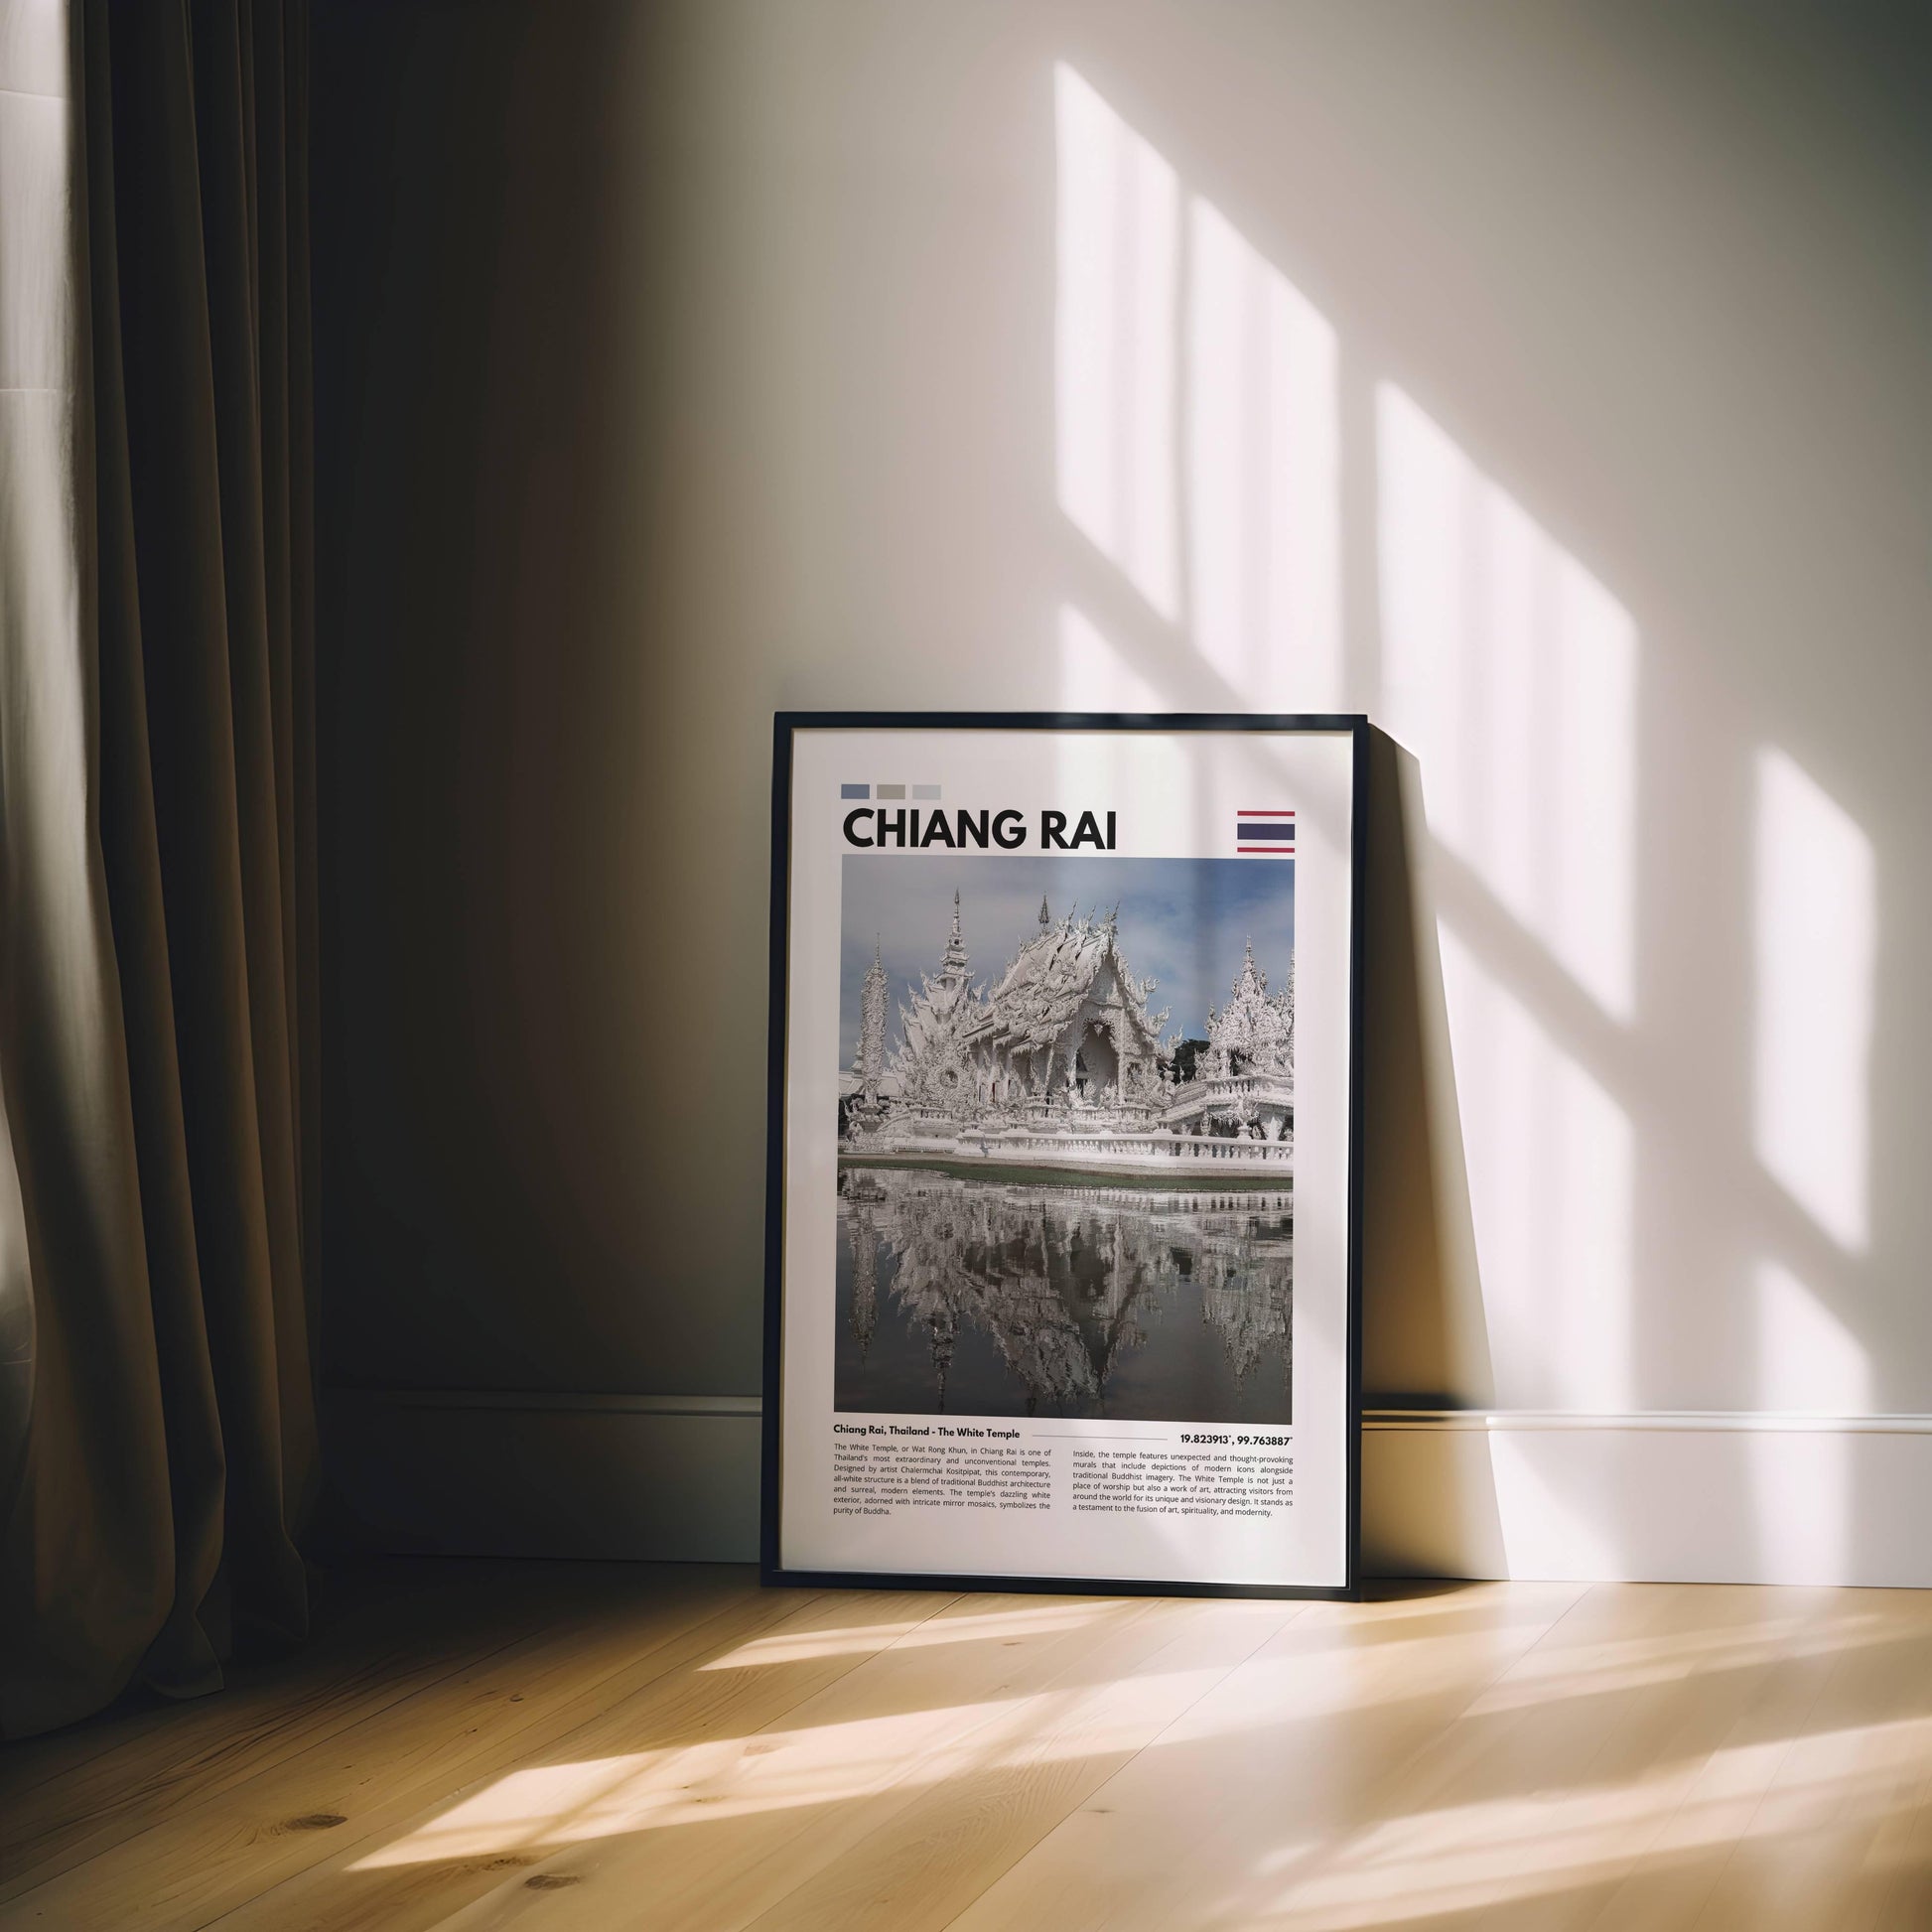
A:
{"x": 158, "y": 1035}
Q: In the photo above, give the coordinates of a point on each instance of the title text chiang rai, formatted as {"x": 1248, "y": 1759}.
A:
{"x": 907, "y": 828}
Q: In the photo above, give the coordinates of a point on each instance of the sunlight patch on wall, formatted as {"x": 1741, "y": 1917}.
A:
{"x": 1551, "y": 1162}
{"x": 1264, "y": 443}
{"x": 1119, "y": 239}
{"x": 1808, "y": 1360}
{"x": 1093, "y": 675}
{"x": 1817, "y": 943}
{"x": 1512, "y": 675}
{"x": 1547, "y": 1533}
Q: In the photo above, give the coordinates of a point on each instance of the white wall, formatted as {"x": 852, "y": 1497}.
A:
{"x": 1547, "y": 381}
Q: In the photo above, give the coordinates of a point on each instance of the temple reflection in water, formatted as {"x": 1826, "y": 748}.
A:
{"x": 978, "y": 1297}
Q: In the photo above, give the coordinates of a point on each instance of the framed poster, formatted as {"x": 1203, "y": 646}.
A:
{"x": 1064, "y": 1212}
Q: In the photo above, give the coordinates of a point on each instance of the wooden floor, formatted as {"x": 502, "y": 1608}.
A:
{"x": 572, "y": 1747}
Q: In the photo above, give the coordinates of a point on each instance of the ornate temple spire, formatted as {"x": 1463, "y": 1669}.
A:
{"x": 1256, "y": 1028}
{"x": 870, "y": 1061}
{"x": 1046, "y": 919}
{"x": 1253, "y": 983}
{"x": 956, "y": 966}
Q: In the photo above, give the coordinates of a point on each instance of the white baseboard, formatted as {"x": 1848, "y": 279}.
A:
{"x": 476, "y": 1472}
{"x": 1649, "y": 1498}
{"x": 1663, "y": 1499}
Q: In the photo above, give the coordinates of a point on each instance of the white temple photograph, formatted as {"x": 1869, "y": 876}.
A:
{"x": 1066, "y": 1139}
{"x": 1063, "y": 1055}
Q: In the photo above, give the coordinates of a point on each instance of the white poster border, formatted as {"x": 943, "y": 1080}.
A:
{"x": 1160, "y": 786}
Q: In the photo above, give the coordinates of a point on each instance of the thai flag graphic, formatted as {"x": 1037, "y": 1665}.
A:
{"x": 1271, "y": 834}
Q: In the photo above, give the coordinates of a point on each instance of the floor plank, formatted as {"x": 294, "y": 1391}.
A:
{"x": 1273, "y": 1767}
{"x": 383, "y": 1631}
{"x": 714, "y": 1835}
{"x": 568, "y": 1747}
{"x": 413, "y": 1867}
{"x": 213, "y": 1845}
{"x": 1020, "y": 1776}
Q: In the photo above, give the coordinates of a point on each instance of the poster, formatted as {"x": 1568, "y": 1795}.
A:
{"x": 1062, "y": 1225}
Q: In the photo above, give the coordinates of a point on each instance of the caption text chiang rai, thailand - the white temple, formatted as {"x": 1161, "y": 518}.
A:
{"x": 1061, "y": 1064}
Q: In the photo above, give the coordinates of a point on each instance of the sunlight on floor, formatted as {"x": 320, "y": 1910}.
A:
{"x": 1483, "y": 1820}
{"x": 784, "y": 1768}
{"x": 792, "y": 1649}
{"x": 1632, "y": 1663}
{"x": 1488, "y": 1853}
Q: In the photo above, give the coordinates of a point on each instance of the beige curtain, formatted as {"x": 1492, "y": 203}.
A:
{"x": 158, "y": 1137}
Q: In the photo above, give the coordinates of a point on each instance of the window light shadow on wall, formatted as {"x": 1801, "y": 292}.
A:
{"x": 1093, "y": 674}
{"x": 1552, "y": 1163}
{"x": 1197, "y": 436}
{"x": 1201, "y": 408}
{"x": 1808, "y": 1363}
{"x": 1263, "y": 447}
{"x": 1817, "y": 944}
{"x": 1509, "y": 670}
{"x": 1816, "y": 947}
{"x": 1119, "y": 241}
{"x": 1512, "y": 675}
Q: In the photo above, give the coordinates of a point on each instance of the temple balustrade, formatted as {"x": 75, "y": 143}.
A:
{"x": 1159, "y": 1150}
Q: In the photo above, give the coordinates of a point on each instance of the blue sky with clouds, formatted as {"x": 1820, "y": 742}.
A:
{"x": 1184, "y": 921}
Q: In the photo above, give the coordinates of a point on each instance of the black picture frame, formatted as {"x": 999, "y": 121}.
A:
{"x": 786, "y": 725}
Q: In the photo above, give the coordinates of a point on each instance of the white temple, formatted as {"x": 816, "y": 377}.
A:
{"x": 1061, "y": 1063}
